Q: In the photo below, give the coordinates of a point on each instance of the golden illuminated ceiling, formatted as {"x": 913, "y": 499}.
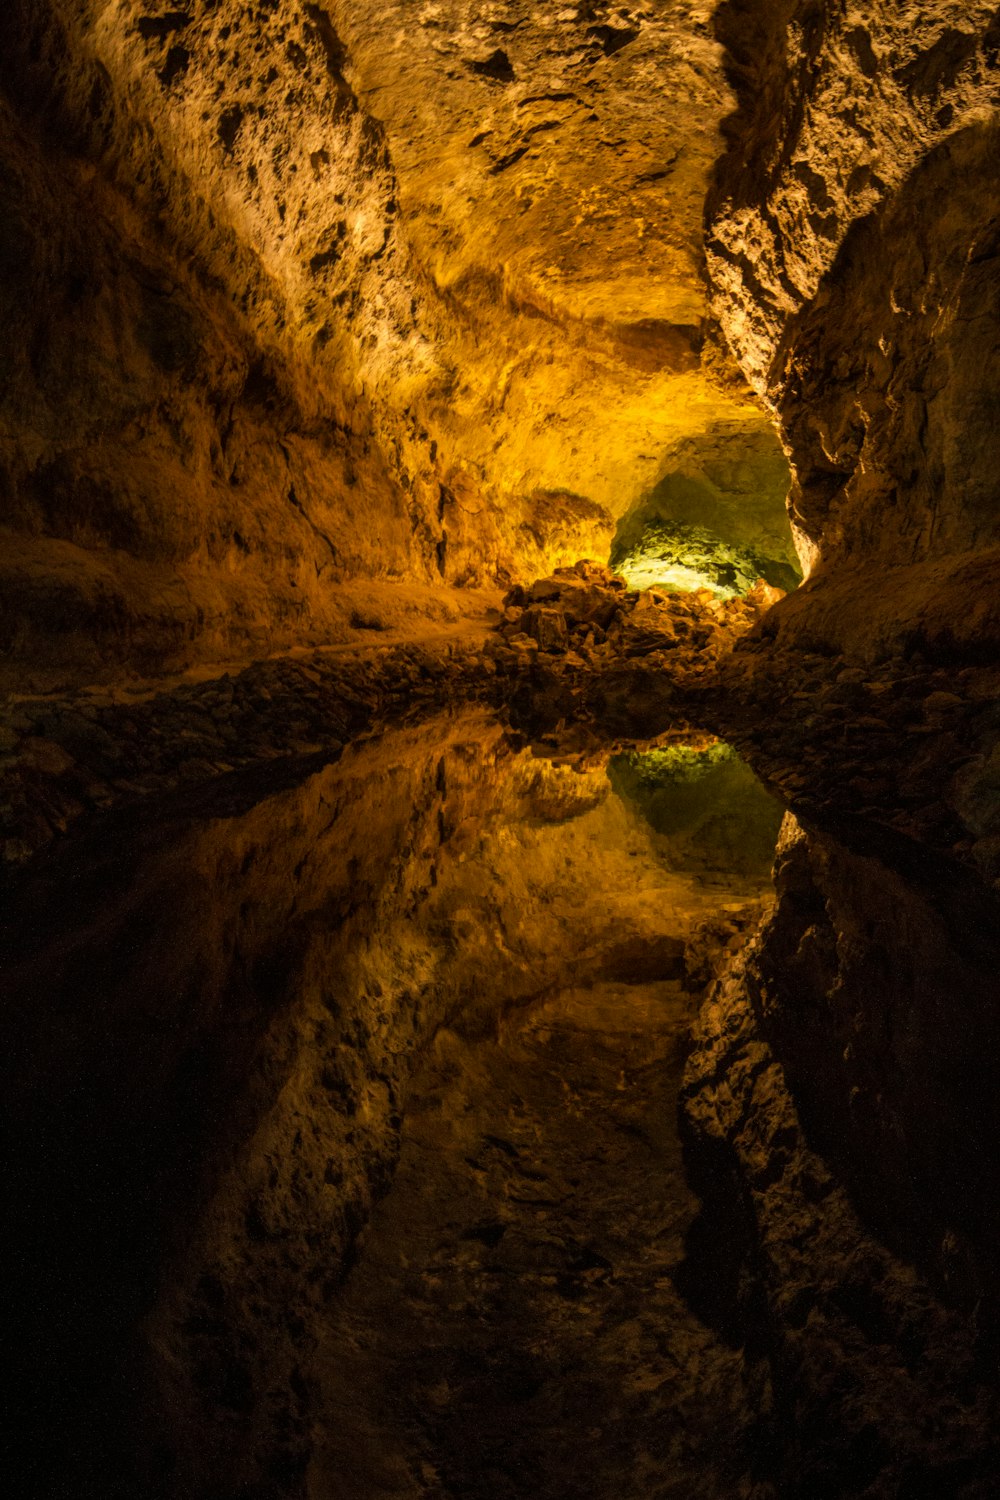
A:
{"x": 570, "y": 145}
{"x": 399, "y": 290}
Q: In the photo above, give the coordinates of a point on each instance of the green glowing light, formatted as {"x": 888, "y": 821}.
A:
{"x": 676, "y": 557}
{"x": 652, "y": 573}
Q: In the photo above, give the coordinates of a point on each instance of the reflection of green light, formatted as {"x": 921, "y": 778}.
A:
{"x": 708, "y": 811}
{"x": 674, "y": 762}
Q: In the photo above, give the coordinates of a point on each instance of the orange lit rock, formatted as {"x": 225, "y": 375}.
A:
{"x": 851, "y": 246}
{"x": 300, "y": 295}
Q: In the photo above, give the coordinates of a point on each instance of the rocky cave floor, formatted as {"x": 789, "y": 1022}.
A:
{"x": 581, "y": 663}
{"x": 564, "y": 1292}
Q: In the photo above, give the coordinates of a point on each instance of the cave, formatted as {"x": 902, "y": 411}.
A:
{"x": 500, "y": 621}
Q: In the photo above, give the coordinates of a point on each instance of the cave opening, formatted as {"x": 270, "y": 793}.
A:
{"x": 715, "y": 519}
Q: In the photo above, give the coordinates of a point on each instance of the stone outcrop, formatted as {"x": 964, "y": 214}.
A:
{"x": 267, "y": 337}
{"x": 593, "y": 662}
{"x": 852, "y": 250}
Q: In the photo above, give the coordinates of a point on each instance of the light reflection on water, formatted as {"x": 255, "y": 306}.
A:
{"x": 220, "y": 1014}
{"x": 707, "y": 810}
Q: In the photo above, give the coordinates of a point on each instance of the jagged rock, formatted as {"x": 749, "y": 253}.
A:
{"x": 546, "y": 625}
{"x": 649, "y": 626}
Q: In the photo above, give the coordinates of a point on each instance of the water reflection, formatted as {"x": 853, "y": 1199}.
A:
{"x": 710, "y": 814}
{"x": 214, "y": 1015}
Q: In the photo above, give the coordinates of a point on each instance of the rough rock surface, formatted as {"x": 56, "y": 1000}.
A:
{"x": 586, "y": 614}
{"x": 592, "y": 661}
{"x": 837, "y": 105}
{"x": 258, "y": 345}
{"x": 907, "y": 746}
{"x": 267, "y": 337}
{"x": 852, "y": 248}
{"x": 801, "y": 1107}
{"x": 72, "y": 756}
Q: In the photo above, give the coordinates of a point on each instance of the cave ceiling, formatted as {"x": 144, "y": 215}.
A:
{"x": 302, "y": 296}
{"x": 553, "y": 164}
{"x": 501, "y": 205}
{"x": 570, "y": 145}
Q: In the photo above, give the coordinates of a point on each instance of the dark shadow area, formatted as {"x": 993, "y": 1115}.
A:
{"x": 213, "y": 1009}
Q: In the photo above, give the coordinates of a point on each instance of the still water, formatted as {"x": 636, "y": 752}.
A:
{"x": 345, "y": 1144}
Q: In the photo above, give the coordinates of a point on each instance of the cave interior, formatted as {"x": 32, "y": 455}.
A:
{"x": 500, "y": 751}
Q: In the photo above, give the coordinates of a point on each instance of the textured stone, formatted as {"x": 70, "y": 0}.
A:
{"x": 852, "y": 256}
{"x": 316, "y": 319}
{"x": 281, "y": 350}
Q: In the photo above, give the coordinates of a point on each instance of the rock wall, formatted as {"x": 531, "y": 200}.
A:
{"x": 851, "y": 245}
{"x": 187, "y": 453}
{"x": 297, "y": 294}
{"x": 842, "y": 1090}
{"x": 875, "y": 983}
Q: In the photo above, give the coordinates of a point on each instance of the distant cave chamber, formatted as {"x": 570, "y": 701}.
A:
{"x": 718, "y": 520}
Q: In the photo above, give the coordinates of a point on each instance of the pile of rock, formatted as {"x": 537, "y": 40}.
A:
{"x": 587, "y": 615}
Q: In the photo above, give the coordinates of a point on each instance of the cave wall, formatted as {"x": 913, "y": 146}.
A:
{"x": 297, "y": 295}
{"x": 836, "y": 107}
{"x": 875, "y": 980}
{"x": 852, "y": 242}
{"x": 844, "y": 1078}
{"x": 186, "y": 450}
{"x": 730, "y": 480}
{"x": 851, "y": 246}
